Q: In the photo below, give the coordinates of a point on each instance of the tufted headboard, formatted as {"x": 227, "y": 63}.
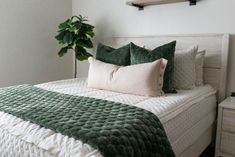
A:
{"x": 216, "y": 46}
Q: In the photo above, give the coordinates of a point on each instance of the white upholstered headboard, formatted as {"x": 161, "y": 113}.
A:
{"x": 216, "y": 46}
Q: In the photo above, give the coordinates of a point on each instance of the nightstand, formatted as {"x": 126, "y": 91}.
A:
{"x": 225, "y": 136}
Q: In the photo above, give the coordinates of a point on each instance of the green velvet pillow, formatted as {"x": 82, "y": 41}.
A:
{"x": 140, "y": 55}
{"x": 120, "y": 56}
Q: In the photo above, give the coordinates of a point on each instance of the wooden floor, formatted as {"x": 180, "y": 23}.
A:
{"x": 209, "y": 152}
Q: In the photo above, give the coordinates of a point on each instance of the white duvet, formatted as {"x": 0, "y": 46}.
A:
{"x": 21, "y": 138}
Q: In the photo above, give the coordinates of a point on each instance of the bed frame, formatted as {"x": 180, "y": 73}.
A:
{"x": 215, "y": 68}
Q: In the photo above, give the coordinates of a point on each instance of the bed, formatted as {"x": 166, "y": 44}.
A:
{"x": 188, "y": 117}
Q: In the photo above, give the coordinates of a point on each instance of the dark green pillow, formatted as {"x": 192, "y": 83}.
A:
{"x": 120, "y": 56}
{"x": 140, "y": 55}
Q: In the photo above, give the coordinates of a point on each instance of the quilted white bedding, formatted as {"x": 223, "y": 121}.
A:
{"x": 184, "y": 116}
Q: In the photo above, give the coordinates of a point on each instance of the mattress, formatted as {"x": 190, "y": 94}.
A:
{"x": 185, "y": 116}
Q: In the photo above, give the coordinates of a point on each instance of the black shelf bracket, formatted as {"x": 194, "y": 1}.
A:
{"x": 140, "y": 7}
{"x": 192, "y": 2}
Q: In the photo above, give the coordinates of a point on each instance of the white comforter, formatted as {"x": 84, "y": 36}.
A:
{"x": 19, "y": 138}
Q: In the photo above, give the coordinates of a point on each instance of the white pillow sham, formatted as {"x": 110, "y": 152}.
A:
{"x": 141, "y": 79}
{"x": 184, "y": 68}
{"x": 199, "y": 67}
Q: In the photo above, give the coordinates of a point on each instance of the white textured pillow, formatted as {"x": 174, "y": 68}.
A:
{"x": 184, "y": 68}
{"x": 141, "y": 79}
{"x": 199, "y": 67}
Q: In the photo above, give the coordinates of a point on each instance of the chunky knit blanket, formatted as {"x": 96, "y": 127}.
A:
{"x": 115, "y": 129}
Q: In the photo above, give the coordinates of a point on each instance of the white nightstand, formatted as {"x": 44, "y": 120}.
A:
{"x": 225, "y": 136}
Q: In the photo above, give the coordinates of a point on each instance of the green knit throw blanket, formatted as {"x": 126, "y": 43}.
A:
{"x": 115, "y": 129}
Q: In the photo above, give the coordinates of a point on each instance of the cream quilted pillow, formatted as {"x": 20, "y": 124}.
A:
{"x": 199, "y": 67}
{"x": 184, "y": 68}
{"x": 141, "y": 79}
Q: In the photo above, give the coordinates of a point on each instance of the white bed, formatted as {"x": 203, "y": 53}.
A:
{"x": 185, "y": 116}
{"x": 188, "y": 117}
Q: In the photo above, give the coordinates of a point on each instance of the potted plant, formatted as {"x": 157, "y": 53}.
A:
{"x": 75, "y": 34}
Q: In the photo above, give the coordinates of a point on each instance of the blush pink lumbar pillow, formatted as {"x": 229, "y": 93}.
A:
{"x": 141, "y": 79}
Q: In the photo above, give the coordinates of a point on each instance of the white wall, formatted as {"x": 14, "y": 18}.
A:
{"x": 28, "y": 50}
{"x": 114, "y": 18}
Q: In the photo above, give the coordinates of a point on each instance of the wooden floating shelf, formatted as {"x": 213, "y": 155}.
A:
{"x": 142, "y": 3}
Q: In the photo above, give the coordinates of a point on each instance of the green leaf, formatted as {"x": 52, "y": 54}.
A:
{"x": 68, "y": 38}
{"x": 79, "y": 49}
{"x": 63, "y": 51}
{"x": 72, "y": 29}
{"x": 73, "y": 17}
{"x": 87, "y": 29}
{"x": 64, "y": 25}
{"x": 87, "y": 43}
{"x": 89, "y": 55}
{"x": 81, "y": 53}
{"x": 88, "y": 26}
{"x": 60, "y": 36}
{"x": 77, "y": 24}
{"x": 91, "y": 33}
{"x": 82, "y": 19}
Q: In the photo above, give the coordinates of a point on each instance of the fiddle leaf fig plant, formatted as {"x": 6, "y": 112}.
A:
{"x": 75, "y": 34}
